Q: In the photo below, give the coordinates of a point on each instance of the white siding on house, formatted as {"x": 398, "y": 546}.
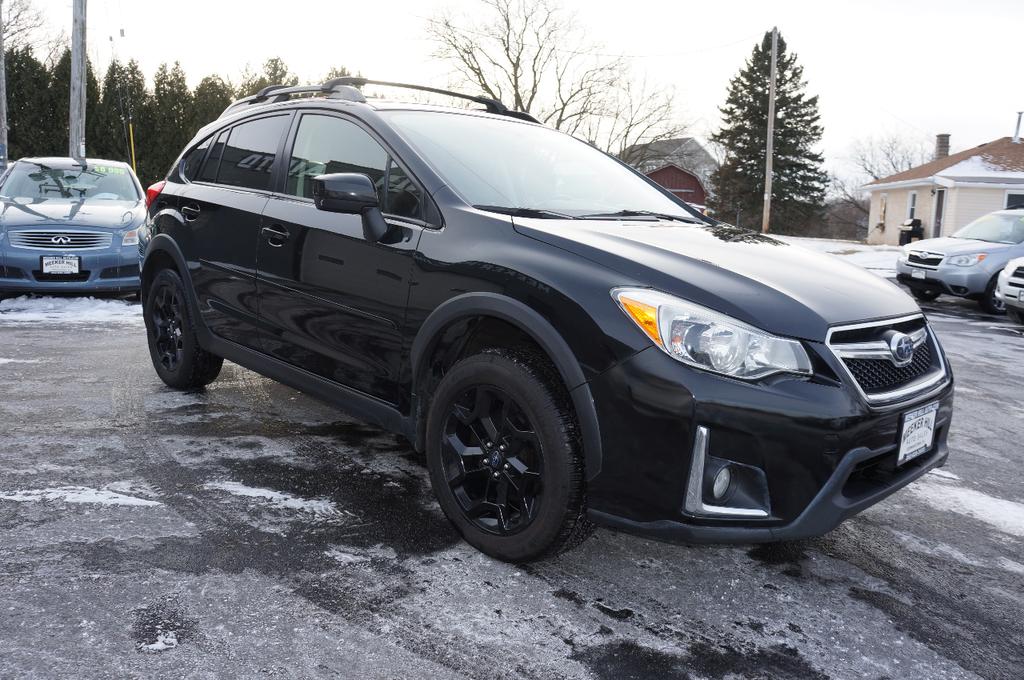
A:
{"x": 968, "y": 204}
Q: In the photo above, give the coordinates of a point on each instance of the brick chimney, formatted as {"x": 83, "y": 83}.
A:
{"x": 941, "y": 146}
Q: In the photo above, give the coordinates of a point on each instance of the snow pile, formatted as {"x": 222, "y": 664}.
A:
{"x": 76, "y": 494}
{"x": 77, "y": 310}
{"x": 1003, "y": 515}
{"x": 879, "y": 260}
{"x": 164, "y": 641}
{"x": 316, "y": 506}
{"x": 18, "y": 361}
{"x": 347, "y": 556}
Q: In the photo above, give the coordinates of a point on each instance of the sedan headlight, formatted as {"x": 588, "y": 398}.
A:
{"x": 709, "y": 340}
{"x": 966, "y": 260}
{"x": 130, "y": 238}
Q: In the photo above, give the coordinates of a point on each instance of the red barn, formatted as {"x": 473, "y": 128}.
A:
{"x": 683, "y": 184}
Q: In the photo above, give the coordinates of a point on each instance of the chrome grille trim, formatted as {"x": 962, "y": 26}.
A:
{"x": 51, "y": 239}
{"x": 931, "y": 381}
{"x": 925, "y": 259}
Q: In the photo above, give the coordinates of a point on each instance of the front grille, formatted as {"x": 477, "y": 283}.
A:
{"x": 1019, "y": 273}
{"x": 864, "y": 351}
{"x": 80, "y": 276}
{"x": 121, "y": 272}
{"x": 61, "y": 240}
{"x": 924, "y": 259}
{"x": 881, "y": 375}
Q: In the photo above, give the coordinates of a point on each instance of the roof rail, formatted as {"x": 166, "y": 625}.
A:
{"x": 346, "y": 87}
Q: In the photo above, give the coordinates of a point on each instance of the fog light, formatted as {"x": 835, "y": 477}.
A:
{"x": 722, "y": 481}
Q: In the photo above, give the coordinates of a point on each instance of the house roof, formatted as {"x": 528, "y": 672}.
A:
{"x": 997, "y": 160}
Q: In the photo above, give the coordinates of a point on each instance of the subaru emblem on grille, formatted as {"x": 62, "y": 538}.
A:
{"x": 902, "y": 348}
{"x": 61, "y": 240}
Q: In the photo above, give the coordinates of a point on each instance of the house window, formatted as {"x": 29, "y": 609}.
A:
{"x": 911, "y": 205}
{"x": 882, "y": 201}
{"x": 1014, "y": 200}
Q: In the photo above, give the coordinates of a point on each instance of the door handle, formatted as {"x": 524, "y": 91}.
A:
{"x": 190, "y": 212}
{"x": 276, "y": 235}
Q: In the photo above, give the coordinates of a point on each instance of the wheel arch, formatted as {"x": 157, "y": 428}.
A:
{"x": 444, "y": 333}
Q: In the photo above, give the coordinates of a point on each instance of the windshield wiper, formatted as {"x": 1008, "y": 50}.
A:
{"x": 641, "y": 213}
{"x": 525, "y": 212}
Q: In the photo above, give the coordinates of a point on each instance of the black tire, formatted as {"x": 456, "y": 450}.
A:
{"x": 511, "y": 399}
{"x": 173, "y": 344}
{"x": 925, "y": 295}
{"x": 990, "y": 302}
{"x": 1015, "y": 315}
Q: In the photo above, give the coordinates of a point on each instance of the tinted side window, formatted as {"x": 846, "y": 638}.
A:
{"x": 249, "y": 154}
{"x": 193, "y": 159}
{"x": 403, "y": 198}
{"x": 324, "y": 145}
{"x": 209, "y": 171}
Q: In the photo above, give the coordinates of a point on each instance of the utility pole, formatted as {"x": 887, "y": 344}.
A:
{"x": 3, "y": 93}
{"x": 770, "y": 150}
{"x": 76, "y": 121}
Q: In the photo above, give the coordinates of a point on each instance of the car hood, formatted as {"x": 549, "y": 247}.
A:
{"x": 92, "y": 214}
{"x": 958, "y": 246}
{"x": 781, "y": 288}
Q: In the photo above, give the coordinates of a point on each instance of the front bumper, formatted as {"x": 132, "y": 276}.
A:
{"x": 826, "y": 455}
{"x": 949, "y": 279}
{"x": 112, "y": 270}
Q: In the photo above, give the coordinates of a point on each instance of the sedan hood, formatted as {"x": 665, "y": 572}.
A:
{"x": 92, "y": 214}
{"x": 957, "y": 246}
{"x": 781, "y": 288}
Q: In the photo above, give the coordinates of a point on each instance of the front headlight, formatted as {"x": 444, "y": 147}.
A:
{"x": 966, "y": 260}
{"x": 130, "y": 238}
{"x": 709, "y": 340}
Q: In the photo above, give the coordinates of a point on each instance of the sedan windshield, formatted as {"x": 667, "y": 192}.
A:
{"x": 71, "y": 183}
{"x": 529, "y": 170}
{"x": 995, "y": 228}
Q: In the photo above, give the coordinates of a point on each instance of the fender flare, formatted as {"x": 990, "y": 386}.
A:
{"x": 538, "y": 328}
{"x": 162, "y": 243}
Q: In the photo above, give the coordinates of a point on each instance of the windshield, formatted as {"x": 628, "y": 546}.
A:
{"x": 527, "y": 169}
{"x": 995, "y": 228}
{"x": 92, "y": 182}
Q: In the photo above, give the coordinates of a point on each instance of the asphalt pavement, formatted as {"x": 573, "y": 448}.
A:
{"x": 247, "y": 530}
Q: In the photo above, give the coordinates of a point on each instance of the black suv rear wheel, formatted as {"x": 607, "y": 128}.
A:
{"x": 173, "y": 346}
{"x": 505, "y": 458}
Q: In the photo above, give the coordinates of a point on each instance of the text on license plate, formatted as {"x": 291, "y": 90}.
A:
{"x": 917, "y": 433}
{"x": 60, "y": 264}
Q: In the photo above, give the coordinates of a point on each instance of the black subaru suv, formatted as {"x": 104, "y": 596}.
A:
{"x": 566, "y": 341}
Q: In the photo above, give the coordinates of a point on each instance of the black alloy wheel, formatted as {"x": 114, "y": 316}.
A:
{"x": 166, "y": 319}
{"x": 493, "y": 460}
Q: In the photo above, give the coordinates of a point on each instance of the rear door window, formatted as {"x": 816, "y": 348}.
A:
{"x": 209, "y": 171}
{"x": 248, "y": 156}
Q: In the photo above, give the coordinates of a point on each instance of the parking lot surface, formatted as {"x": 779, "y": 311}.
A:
{"x": 248, "y": 530}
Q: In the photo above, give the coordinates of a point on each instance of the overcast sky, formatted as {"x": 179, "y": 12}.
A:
{"x": 907, "y": 67}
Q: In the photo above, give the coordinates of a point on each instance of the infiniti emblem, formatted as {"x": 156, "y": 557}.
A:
{"x": 61, "y": 240}
{"x": 901, "y": 346}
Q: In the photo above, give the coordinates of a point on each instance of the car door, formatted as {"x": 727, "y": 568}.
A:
{"x": 331, "y": 302}
{"x": 222, "y": 209}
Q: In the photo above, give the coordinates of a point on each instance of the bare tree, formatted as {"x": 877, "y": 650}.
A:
{"x": 533, "y": 55}
{"x": 879, "y": 157}
{"x": 21, "y": 19}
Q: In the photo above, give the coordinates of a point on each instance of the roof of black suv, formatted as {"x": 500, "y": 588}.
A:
{"x": 346, "y": 89}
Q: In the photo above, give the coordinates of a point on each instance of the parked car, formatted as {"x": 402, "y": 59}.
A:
{"x": 565, "y": 341}
{"x": 70, "y": 227}
{"x": 1011, "y": 287}
{"x": 966, "y": 264}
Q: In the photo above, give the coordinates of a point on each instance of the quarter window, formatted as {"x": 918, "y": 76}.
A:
{"x": 403, "y": 196}
{"x": 326, "y": 145}
{"x": 192, "y": 161}
{"x": 248, "y": 156}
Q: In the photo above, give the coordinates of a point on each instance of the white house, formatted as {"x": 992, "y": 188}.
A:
{"x": 949, "y": 191}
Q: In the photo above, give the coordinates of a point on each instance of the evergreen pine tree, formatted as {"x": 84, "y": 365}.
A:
{"x": 28, "y": 110}
{"x": 55, "y": 141}
{"x": 211, "y": 96}
{"x": 171, "y": 117}
{"x": 798, "y": 181}
{"x": 275, "y": 72}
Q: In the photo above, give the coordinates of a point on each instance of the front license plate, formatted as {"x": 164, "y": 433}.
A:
{"x": 1020, "y": 294}
{"x": 60, "y": 264}
{"x": 918, "y": 432}
{"x": 917, "y": 274}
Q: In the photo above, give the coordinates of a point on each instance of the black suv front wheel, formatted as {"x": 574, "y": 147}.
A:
{"x": 173, "y": 346}
{"x": 505, "y": 458}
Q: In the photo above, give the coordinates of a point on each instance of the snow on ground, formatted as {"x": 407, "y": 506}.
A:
{"x": 879, "y": 260}
{"x": 278, "y": 499}
{"x": 76, "y": 494}
{"x": 83, "y": 310}
{"x": 1003, "y": 515}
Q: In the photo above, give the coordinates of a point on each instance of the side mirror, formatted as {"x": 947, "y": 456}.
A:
{"x": 352, "y": 193}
